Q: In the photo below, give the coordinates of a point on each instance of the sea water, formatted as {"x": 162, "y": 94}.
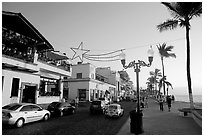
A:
{"x": 185, "y": 98}
{"x": 181, "y": 94}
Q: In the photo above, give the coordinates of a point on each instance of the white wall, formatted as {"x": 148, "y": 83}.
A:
{"x": 7, "y": 84}
{"x": 87, "y": 70}
{"x": 74, "y": 86}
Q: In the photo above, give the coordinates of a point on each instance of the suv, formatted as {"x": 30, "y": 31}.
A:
{"x": 97, "y": 106}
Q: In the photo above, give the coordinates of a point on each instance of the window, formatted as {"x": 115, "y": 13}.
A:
{"x": 49, "y": 87}
{"x": 15, "y": 87}
{"x": 12, "y": 106}
{"x": 79, "y": 75}
{"x": 27, "y": 108}
{"x": 35, "y": 108}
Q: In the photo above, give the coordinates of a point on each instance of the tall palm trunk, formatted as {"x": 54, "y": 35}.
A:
{"x": 163, "y": 74}
{"x": 188, "y": 67}
{"x": 155, "y": 87}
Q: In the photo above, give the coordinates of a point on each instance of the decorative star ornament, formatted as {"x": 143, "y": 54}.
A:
{"x": 79, "y": 52}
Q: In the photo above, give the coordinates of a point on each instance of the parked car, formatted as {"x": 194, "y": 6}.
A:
{"x": 97, "y": 106}
{"x": 61, "y": 108}
{"x": 20, "y": 113}
{"x": 114, "y": 110}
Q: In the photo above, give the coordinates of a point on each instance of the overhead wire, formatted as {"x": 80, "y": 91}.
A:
{"x": 108, "y": 56}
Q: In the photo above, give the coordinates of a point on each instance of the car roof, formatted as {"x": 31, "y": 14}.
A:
{"x": 22, "y": 104}
{"x": 114, "y": 104}
{"x": 61, "y": 102}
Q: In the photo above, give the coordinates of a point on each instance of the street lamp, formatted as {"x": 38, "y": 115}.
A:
{"x": 137, "y": 66}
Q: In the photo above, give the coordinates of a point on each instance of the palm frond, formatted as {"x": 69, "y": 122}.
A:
{"x": 151, "y": 73}
{"x": 196, "y": 10}
{"x": 168, "y": 25}
{"x": 168, "y": 84}
{"x": 183, "y": 23}
{"x": 172, "y": 8}
{"x": 172, "y": 55}
{"x": 169, "y": 48}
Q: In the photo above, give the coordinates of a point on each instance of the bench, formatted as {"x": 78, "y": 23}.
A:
{"x": 185, "y": 111}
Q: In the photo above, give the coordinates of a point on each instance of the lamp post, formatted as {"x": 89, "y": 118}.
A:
{"x": 137, "y": 66}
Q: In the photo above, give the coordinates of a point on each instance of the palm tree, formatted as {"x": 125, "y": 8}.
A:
{"x": 163, "y": 80}
{"x": 164, "y": 51}
{"x": 156, "y": 73}
{"x": 151, "y": 81}
{"x": 182, "y": 13}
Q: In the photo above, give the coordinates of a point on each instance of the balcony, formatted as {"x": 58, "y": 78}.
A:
{"x": 18, "y": 64}
{"x": 53, "y": 68}
{"x": 21, "y": 52}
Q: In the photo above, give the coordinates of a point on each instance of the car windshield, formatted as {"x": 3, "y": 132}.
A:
{"x": 12, "y": 106}
{"x": 54, "y": 104}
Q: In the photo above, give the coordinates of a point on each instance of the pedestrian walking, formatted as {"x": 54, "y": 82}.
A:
{"x": 169, "y": 103}
{"x": 161, "y": 103}
{"x": 173, "y": 98}
{"x": 146, "y": 102}
{"x": 77, "y": 102}
{"x": 142, "y": 102}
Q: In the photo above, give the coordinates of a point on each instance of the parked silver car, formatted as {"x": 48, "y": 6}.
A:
{"x": 20, "y": 113}
{"x": 114, "y": 110}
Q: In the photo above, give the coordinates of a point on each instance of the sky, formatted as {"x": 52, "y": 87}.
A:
{"x": 104, "y": 27}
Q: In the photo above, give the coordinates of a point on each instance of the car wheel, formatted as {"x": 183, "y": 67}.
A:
{"x": 61, "y": 113}
{"x": 20, "y": 122}
{"x": 46, "y": 117}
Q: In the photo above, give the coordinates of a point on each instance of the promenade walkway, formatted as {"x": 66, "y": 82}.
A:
{"x": 156, "y": 122}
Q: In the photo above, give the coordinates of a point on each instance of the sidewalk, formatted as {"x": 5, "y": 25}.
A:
{"x": 156, "y": 122}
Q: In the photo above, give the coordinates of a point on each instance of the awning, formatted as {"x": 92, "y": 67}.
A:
{"x": 56, "y": 55}
{"x": 18, "y": 23}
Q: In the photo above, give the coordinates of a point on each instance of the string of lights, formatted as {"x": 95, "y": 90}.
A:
{"x": 102, "y": 60}
{"x": 102, "y": 56}
{"x": 115, "y": 55}
{"x": 106, "y": 53}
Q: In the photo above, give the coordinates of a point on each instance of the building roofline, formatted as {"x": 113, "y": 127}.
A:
{"x": 30, "y": 26}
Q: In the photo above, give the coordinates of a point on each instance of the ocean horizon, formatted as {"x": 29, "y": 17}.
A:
{"x": 181, "y": 94}
{"x": 185, "y": 98}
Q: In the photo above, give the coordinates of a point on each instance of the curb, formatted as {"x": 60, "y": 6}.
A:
{"x": 197, "y": 118}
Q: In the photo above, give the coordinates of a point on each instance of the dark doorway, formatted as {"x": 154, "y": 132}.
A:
{"x": 66, "y": 93}
{"x": 82, "y": 94}
{"x": 29, "y": 94}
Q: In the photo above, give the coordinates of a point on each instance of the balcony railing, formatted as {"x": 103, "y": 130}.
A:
{"x": 59, "y": 64}
{"x": 17, "y": 54}
{"x": 17, "y": 45}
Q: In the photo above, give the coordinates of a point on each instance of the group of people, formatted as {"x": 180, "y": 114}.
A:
{"x": 169, "y": 100}
{"x": 143, "y": 102}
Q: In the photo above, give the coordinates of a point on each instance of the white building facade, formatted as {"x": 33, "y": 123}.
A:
{"x": 113, "y": 78}
{"x": 84, "y": 85}
{"x": 26, "y": 76}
